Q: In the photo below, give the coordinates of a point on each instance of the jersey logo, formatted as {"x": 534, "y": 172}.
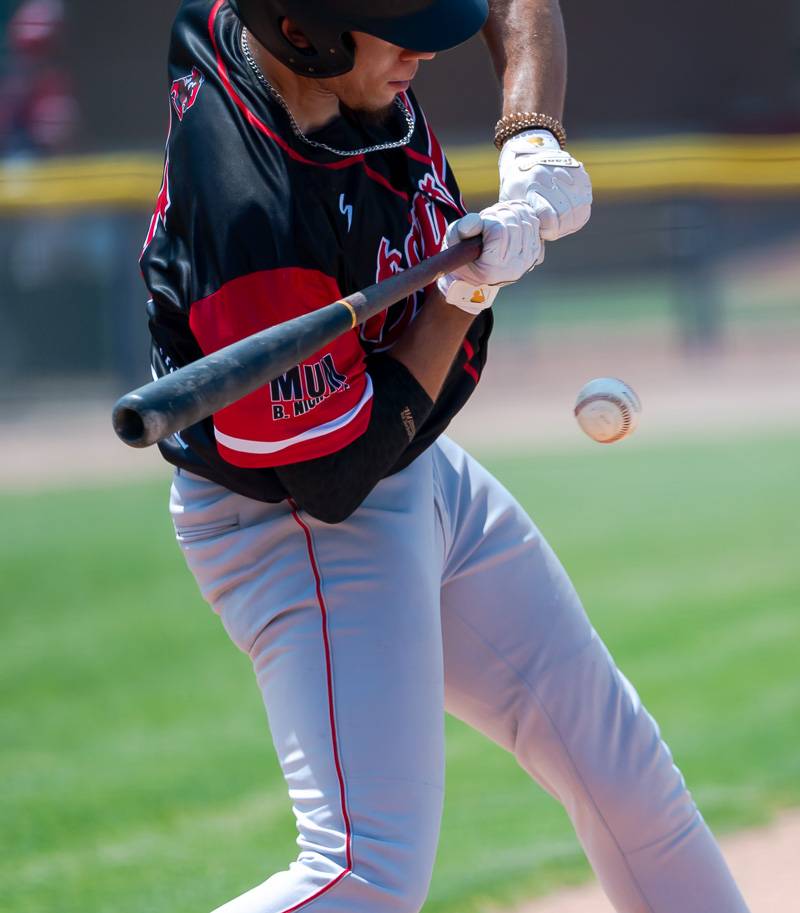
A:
{"x": 182, "y": 95}
{"x": 299, "y": 391}
{"x": 346, "y": 210}
{"x": 185, "y": 90}
{"x": 390, "y": 261}
{"x": 424, "y": 238}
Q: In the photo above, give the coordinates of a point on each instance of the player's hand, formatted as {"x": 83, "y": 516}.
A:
{"x": 511, "y": 247}
{"x": 534, "y": 168}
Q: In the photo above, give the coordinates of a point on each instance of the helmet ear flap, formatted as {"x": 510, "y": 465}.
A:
{"x": 291, "y": 48}
{"x": 329, "y": 52}
{"x": 298, "y": 55}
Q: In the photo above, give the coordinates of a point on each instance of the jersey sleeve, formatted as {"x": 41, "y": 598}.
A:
{"x": 316, "y": 408}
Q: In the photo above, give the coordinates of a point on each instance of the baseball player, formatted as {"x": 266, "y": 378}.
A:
{"x": 374, "y": 573}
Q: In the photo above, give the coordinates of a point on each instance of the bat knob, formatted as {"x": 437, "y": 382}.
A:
{"x": 129, "y": 424}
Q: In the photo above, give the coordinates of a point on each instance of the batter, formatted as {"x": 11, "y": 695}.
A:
{"x": 374, "y": 573}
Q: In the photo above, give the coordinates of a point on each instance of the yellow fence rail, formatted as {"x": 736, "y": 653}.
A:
{"x": 703, "y": 164}
{"x": 714, "y": 165}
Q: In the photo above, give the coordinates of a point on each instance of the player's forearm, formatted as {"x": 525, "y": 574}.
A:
{"x": 528, "y": 48}
{"x": 429, "y": 346}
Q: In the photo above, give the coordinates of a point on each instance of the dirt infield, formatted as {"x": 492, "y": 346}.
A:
{"x": 763, "y": 860}
{"x": 526, "y": 397}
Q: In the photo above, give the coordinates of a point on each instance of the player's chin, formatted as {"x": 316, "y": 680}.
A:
{"x": 376, "y": 112}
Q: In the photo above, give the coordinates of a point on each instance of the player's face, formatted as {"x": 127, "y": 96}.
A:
{"x": 382, "y": 70}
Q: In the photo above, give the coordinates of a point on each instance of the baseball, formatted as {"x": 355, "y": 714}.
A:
{"x": 607, "y": 409}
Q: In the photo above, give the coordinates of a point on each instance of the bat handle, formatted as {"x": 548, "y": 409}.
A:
{"x": 373, "y": 300}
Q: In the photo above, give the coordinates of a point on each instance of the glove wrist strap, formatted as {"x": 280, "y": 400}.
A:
{"x": 466, "y": 295}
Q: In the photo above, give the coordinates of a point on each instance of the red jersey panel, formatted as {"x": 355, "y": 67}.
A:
{"x": 316, "y": 408}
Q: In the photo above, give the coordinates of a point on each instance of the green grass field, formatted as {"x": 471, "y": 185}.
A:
{"x": 647, "y": 301}
{"x": 137, "y": 773}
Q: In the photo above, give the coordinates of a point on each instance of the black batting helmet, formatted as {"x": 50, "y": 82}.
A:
{"x": 419, "y": 25}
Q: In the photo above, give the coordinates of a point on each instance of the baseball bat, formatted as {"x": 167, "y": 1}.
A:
{"x": 192, "y": 393}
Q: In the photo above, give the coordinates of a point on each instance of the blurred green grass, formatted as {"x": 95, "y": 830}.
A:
{"x": 650, "y": 300}
{"x": 137, "y": 772}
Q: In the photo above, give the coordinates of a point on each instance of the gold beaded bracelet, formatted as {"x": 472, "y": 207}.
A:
{"x": 511, "y": 124}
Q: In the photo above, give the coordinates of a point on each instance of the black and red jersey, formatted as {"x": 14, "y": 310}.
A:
{"x": 254, "y": 226}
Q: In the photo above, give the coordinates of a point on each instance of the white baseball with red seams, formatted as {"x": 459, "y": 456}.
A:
{"x": 607, "y": 409}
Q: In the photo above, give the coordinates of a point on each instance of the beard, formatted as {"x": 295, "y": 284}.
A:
{"x": 371, "y": 117}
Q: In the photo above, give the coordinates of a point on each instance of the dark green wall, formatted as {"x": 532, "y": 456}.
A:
{"x": 634, "y": 66}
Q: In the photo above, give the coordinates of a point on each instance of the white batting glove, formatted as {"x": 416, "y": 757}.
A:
{"x": 534, "y": 168}
{"x": 511, "y": 247}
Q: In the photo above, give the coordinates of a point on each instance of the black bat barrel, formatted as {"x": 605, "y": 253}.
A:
{"x": 180, "y": 399}
{"x": 198, "y": 390}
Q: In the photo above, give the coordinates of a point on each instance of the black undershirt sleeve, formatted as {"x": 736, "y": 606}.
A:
{"x": 330, "y": 488}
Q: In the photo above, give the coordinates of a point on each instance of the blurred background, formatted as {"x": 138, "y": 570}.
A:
{"x": 688, "y": 120}
{"x": 683, "y": 540}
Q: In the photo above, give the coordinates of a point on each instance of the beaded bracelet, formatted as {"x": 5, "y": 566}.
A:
{"x": 511, "y": 124}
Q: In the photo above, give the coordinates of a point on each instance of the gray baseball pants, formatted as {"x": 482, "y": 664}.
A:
{"x": 437, "y": 594}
